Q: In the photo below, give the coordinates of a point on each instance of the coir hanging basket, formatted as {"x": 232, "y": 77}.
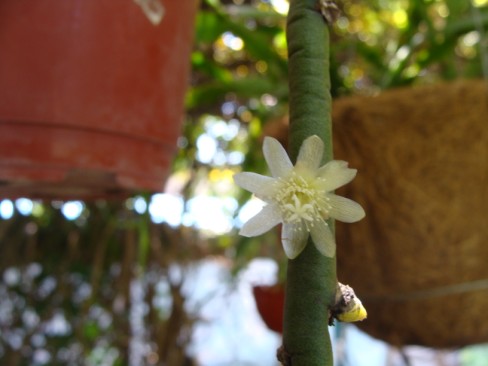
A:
{"x": 91, "y": 95}
{"x": 419, "y": 259}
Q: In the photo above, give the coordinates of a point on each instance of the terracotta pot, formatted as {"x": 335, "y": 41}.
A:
{"x": 91, "y": 95}
{"x": 270, "y": 301}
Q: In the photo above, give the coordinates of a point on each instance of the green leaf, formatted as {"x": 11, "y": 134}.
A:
{"x": 213, "y": 92}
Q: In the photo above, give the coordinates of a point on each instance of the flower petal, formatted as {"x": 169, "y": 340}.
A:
{"x": 323, "y": 238}
{"x": 311, "y": 152}
{"x": 268, "y": 217}
{"x": 258, "y": 184}
{"x": 278, "y": 161}
{"x": 294, "y": 239}
{"x": 335, "y": 174}
{"x": 344, "y": 209}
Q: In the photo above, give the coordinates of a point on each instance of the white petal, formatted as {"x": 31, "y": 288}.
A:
{"x": 258, "y": 184}
{"x": 278, "y": 161}
{"x": 323, "y": 238}
{"x": 344, "y": 209}
{"x": 336, "y": 174}
{"x": 311, "y": 152}
{"x": 294, "y": 239}
{"x": 268, "y": 217}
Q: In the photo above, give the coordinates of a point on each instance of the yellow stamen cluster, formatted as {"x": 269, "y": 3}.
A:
{"x": 300, "y": 199}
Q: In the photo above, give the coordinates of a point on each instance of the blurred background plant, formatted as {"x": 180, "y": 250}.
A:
{"x": 103, "y": 283}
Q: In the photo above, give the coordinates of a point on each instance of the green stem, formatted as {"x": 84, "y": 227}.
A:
{"x": 311, "y": 278}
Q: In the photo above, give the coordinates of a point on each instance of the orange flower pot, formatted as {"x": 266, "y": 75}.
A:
{"x": 270, "y": 301}
{"x": 91, "y": 96}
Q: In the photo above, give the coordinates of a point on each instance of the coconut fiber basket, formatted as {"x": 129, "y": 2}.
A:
{"x": 419, "y": 260}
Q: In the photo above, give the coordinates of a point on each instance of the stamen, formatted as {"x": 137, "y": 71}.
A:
{"x": 300, "y": 200}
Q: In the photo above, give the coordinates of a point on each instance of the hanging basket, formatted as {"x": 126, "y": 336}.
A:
{"x": 419, "y": 260}
{"x": 91, "y": 95}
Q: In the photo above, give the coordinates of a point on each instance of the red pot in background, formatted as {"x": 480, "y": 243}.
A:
{"x": 91, "y": 95}
{"x": 270, "y": 301}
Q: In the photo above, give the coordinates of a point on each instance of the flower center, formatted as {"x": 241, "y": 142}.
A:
{"x": 300, "y": 199}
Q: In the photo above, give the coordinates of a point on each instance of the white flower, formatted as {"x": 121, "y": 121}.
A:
{"x": 300, "y": 196}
